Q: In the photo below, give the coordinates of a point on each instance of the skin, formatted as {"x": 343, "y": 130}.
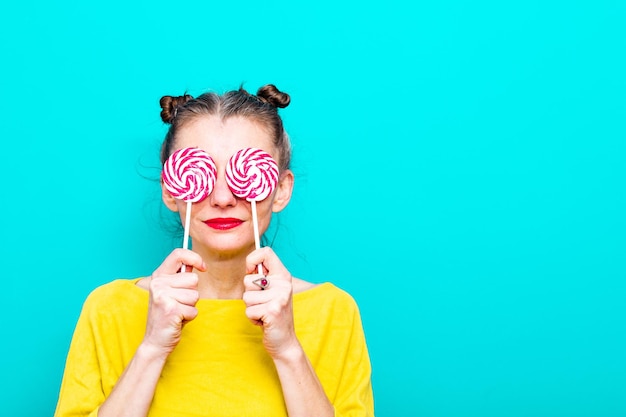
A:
{"x": 223, "y": 264}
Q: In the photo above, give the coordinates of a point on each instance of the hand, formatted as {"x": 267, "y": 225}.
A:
{"x": 272, "y": 308}
{"x": 173, "y": 297}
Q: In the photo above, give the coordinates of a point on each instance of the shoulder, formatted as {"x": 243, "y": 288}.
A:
{"x": 114, "y": 289}
{"x": 305, "y": 288}
{"x": 120, "y": 293}
{"x": 325, "y": 297}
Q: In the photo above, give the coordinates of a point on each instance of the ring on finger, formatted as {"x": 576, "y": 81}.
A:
{"x": 262, "y": 283}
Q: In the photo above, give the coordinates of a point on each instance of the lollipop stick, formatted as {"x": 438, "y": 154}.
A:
{"x": 186, "y": 233}
{"x": 255, "y": 225}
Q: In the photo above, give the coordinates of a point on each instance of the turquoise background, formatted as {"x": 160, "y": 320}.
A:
{"x": 460, "y": 171}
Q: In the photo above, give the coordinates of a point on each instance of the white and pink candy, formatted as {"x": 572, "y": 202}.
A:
{"x": 252, "y": 174}
{"x": 189, "y": 174}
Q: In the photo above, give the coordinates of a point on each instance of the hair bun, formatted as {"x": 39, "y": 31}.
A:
{"x": 272, "y": 95}
{"x": 170, "y": 105}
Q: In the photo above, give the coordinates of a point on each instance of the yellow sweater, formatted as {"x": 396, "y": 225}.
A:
{"x": 220, "y": 367}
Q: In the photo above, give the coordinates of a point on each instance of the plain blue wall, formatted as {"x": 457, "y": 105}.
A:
{"x": 460, "y": 170}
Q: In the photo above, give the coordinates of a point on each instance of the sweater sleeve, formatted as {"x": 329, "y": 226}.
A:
{"x": 81, "y": 387}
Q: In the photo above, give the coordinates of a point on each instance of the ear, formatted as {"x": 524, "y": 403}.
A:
{"x": 284, "y": 188}
{"x": 168, "y": 199}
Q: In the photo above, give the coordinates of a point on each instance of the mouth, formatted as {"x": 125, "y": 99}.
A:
{"x": 223, "y": 223}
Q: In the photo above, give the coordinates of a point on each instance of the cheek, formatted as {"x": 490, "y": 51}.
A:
{"x": 181, "y": 206}
{"x": 264, "y": 211}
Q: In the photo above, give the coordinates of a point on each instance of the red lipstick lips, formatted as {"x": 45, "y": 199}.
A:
{"x": 223, "y": 223}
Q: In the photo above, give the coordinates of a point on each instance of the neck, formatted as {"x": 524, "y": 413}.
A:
{"x": 223, "y": 278}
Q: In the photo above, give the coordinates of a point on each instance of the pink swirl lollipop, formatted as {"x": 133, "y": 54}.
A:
{"x": 189, "y": 174}
{"x": 252, "y": 174}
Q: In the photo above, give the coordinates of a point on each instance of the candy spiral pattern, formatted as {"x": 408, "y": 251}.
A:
{"x": 189, "y": 174}
{"x": 252, "y": 174}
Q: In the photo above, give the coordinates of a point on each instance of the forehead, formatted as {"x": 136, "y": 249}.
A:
{"x": 221, "y": 138}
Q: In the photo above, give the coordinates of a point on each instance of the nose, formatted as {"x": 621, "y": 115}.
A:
{"x": 222, "y": 196}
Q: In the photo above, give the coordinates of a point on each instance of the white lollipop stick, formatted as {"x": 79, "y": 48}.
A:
{"x": 186, "y": 233}
{"x": 255, "y": 226}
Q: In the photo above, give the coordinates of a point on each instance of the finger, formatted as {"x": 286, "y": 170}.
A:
{"x": 178, "y": 304}
{"x": 250, "y": 284}
{"x": 264, "y": 256}
{"x": 185, "y": 296}
{"x": 188, "y": 313}
{"x": 177, "y": 258}
{"x": 256, "y": 296}
{"x": 256, "y": 314}
{"x": 182, "y": 280}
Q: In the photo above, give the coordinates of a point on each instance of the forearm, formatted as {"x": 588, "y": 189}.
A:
{"x": 134, "y": 391}
{"x": 302, "y": 390}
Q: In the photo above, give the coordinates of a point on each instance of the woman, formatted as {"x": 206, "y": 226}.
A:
{"x": 210, "y": 341}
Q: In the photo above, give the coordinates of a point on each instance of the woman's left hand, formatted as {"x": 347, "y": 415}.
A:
{"x": 272, "y": 307}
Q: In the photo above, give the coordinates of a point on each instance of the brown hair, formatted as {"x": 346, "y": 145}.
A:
{"x": 262, "y": 108}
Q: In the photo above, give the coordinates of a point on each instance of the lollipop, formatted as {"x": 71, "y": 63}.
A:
{"x": 189, "y": 175}
{"x": 252, "y": 174}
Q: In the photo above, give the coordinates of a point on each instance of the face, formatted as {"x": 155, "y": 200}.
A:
{"x": 222, "y": 223}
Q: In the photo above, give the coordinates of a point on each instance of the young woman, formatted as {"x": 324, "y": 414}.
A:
{"x": 210, "y": 341}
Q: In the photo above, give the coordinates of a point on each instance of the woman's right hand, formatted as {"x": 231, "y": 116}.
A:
{"x": 173, "y": 297}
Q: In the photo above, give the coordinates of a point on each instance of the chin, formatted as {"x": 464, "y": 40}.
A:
{"x": 228, "y": 248}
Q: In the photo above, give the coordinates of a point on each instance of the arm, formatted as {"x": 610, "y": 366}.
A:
{"x": 172, "y": 303}
{"x": 133, "y": 393}
{"x": 272, "y": 309}
{"x": 333, "y": 335}
{"x": 303, "y": 392}
{"x": 346, "y": 368}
